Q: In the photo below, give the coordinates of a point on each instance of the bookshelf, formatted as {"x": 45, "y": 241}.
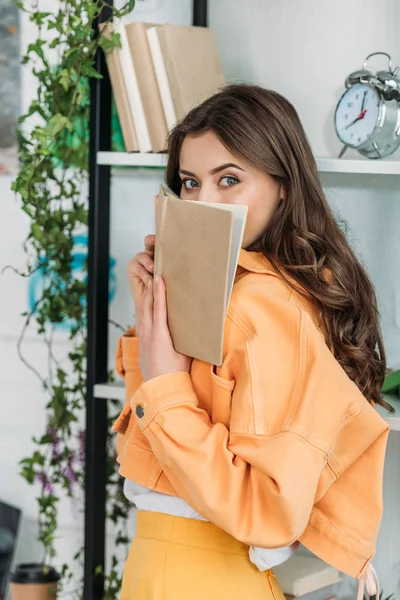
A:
{"x": 325, "y": 164}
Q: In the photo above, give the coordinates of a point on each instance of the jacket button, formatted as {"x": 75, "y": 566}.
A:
{"x": 139, "y": 411}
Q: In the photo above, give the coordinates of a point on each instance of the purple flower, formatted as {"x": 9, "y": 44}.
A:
{"x": 47, "y": 486}
{"x": 82, "y": 448}
{"x": 52, "y": 432}
{"x": 56, "y": 450}
{"x": 70, "y": 475}
{"x": 55, "y": 441}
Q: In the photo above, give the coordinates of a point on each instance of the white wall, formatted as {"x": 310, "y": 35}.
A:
{"x": 304, "y": 50}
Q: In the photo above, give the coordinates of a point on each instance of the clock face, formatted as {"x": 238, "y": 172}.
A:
{"x": 357, "y": 114}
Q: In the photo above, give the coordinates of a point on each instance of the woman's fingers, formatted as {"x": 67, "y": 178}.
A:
{"x": 147, "y": 314}
{"x": 141, "y": 260}
{"x": 149, "y": 243}
{"x": 146, "y": 260}
{"x": 160, "y": 305}
{"x": 139, "y": 275}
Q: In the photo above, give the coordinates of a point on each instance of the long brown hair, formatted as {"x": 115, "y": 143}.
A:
{"x": 303, "y": 239}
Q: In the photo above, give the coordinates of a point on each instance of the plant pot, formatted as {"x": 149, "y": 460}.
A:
{"x": 33, "y": 581}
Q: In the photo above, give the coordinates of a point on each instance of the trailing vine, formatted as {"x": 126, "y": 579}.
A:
{"x": 53, "y": 153}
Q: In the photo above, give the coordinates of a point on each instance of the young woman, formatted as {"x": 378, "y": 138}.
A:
{"x": 230, "y": 467}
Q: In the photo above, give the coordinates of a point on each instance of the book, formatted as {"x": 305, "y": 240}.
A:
{"x": 303, "y": 574}
{"x": 196, "y": 252}
{"x": 329, "y": 592}
{"x": 147, "y": 82}
{"x": 128, "y": 72}
{"x": 120, "y": 93}
{"x": 187, "y": 67}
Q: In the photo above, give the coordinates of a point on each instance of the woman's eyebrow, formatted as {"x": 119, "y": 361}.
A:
{"x": 213, "y": 171}
{"x": 186, "y": 173}
{"x": 225, "y": 166}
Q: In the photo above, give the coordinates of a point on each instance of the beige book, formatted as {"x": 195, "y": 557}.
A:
{"x": 132, "y": 88}
{"x": 303, "y": 574}
{"x": 197, "y": 251}
{"x": 146, "y": 77}
{"x": 187, "y": 66}
{"x": 120, "y": 94}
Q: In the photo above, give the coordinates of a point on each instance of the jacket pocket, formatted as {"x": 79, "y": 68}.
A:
{"x": 221, "y": 398}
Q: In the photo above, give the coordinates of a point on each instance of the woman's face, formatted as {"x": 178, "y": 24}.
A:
{"x": 210, "y": 173}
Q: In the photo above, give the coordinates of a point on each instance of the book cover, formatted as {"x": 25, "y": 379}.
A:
{"x": 114, "y": 67}
{"x": 197, "y": 250}
{"x": 187, "y": 67}
{"x": 147, "y": 82}
{"x": 132, "y": 89}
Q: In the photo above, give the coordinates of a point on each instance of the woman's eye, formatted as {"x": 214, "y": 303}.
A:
{"x": 228, "y": 181}
{"x": 190, "y": 184}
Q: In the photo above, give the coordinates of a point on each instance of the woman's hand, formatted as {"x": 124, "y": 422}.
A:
{"x": 157, "y": 355}
{"x": 140, "y": 273}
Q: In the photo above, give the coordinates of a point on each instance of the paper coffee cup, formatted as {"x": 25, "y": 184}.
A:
{"x": 32, "y": 581}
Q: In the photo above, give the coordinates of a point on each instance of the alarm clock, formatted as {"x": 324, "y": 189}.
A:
{"x": 367, "y": 116}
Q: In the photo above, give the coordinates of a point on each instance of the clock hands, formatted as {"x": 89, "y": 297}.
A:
{"x": 363, "y": 100}
{"x": 360, "y": 116}
{"x": 362, "y": 113}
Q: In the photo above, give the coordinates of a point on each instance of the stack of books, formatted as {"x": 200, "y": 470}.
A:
{"x": 308, "y": 578}
{"x": 158, "y": 75}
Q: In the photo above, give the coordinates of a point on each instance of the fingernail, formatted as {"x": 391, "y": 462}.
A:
{"x": 149, "y": 283}
{"x": 157, "y": 278}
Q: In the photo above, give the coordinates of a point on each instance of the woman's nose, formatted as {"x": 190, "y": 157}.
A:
{"x": 208, "y": 194}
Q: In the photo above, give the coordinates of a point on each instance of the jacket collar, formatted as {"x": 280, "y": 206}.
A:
{"x": 255, "y": 262}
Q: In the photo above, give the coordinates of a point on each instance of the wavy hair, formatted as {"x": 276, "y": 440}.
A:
{"x": 303, "y": 241}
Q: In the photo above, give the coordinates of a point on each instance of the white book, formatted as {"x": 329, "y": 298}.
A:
{"x": 133, "y": 92}
{"x": 303, "y": 574}
{"x": 162, "y": 77}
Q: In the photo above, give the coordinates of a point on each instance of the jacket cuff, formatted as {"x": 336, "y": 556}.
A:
{"x": 159, "y": 393}
{"x": 127, "y": 357}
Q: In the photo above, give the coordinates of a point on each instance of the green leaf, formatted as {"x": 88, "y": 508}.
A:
{"x": 65, "y": 79}
{"x": 90, "y": 71}
{"x": 39, "y": 17}
{"x": 37, "y": 48}
{"x": 57, "y": 123}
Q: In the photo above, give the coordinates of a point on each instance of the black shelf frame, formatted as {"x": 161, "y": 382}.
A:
{"x": 97, "y": 316}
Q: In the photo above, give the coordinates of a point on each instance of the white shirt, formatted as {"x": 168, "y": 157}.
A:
{"x": 145, "y": 499}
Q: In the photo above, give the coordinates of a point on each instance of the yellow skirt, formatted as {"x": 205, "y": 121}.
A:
{"x": 174, "y": 558}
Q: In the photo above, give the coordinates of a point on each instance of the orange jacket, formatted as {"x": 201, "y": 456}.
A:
{"x": 276, "y": 445}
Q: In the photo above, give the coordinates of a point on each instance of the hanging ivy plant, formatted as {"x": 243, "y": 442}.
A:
{"x": 53, "y": 154}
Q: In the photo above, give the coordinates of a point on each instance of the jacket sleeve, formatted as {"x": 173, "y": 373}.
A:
{"x": 259, "y": 480}
{"x": 127, "y": 367}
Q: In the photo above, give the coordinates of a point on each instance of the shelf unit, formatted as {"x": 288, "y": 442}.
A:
{"x": 97, "y": 312}
{"x": 110, "y": 391}
{"x": 325, "y": 164}
{"x": 101, "y": 161}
